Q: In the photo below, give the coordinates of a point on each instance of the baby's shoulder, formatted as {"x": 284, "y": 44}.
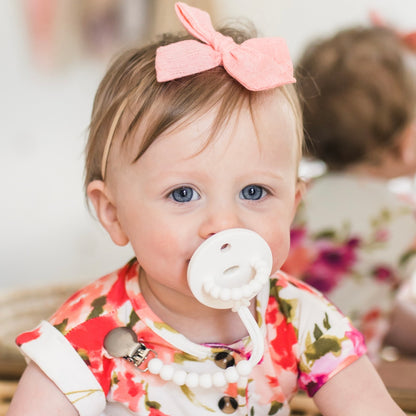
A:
{"x": 283, "y": 284}
{"x": 300, "y": 303}
{"x": 102, "y": 297}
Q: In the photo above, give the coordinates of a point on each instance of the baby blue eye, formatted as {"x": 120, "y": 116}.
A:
{"x": 184, "y": 194}
{"x": 252, "y": 192}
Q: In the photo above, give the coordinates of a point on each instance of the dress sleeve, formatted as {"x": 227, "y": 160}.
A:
{"x": 57, "y": 358}
{"x": 327, "y": 341}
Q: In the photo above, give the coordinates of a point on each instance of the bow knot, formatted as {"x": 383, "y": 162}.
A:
{"x": 257, "y": 64}
{"x": 222, "y": 44}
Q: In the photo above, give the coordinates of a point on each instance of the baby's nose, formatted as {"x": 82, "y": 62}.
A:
{"x": 219, "y": 220}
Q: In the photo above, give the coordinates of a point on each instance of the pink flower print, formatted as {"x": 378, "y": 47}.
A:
{"x": 339, "y": 258}
{"x": 382, "y": 235}
{"x": 283, "y": 345}
{"x": 272, "y": 313}
{"x": 28, "y": 336}
{"x": 384, "y": 274}
{"x": 330, "y": 264}
{"x": 321, "y": 278}
{"x": 311, "y": 383}
{"x": 156, "y": 412}
{"x": 296, "y": 236}
{"x": 357, "y": 340}
{"x": 128, "y": 391}
{"x": 81, "y": 303}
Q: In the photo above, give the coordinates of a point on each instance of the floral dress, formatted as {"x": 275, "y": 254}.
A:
{"x": 354, "y": 240}
{"x": 307, "y": 341}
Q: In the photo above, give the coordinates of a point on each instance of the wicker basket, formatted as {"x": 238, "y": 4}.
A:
{"x": 22, "y": 310}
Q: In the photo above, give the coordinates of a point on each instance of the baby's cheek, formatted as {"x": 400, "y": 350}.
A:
{"x": 280, "y": 251}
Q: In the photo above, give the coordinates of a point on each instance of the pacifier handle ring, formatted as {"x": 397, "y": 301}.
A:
{"x": 255, "y": 334}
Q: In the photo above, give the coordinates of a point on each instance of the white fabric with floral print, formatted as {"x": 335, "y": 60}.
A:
{"x": 354, "y": 240}
{"x": 307, "y": 342}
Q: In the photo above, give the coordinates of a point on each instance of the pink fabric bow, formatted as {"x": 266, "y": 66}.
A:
{"x": 257, "y": 64}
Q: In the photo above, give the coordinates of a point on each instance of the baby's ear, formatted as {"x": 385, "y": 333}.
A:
{"x": 106, "y": 211}
{"x": 300, "y": 191}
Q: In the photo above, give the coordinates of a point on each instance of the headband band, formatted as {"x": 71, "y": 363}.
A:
{"x": 110, "y": 137}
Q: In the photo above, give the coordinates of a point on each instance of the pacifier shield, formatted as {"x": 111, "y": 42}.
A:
{"x": 230, "y": 268}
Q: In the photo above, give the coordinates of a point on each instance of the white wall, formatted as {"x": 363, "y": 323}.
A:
{"x": 46, "y": 232}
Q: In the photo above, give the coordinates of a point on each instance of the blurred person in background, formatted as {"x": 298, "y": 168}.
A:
{"x": 353, "y": 238}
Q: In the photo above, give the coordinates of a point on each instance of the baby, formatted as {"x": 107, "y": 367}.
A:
{"x": 191, "y": 138}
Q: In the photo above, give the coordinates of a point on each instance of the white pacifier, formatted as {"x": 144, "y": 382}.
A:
{"x": 226, "y": 272}
{"x": 230, "y": 268}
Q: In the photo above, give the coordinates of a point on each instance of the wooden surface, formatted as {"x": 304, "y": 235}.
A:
{"x": 399, "y": 377}
{"x": 7, "y": 389}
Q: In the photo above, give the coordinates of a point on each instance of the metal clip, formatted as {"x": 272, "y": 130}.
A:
{"x": 140, "y": 355}
{"x": 122, "y": 343}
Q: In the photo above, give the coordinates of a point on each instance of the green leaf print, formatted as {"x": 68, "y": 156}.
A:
{"x": 152, "y": 405}
{"x": 114, "y": 378}
{"x": 162, "y": 325}
{"x": 322, "y": 346}
{"x": 317, "y": 333}
{"x": 275, "y": 407}
{"x": 406, "y": 256}
{"x": 241, "y": 391}
{"x": 284, "y": 306}
{"x": 325, "y": 234}
{"x": 326, "y": 322}
{"x": 97, "y": 305}
{"x": 83, "y": 353}
{"x": 183, "y": 356}
{"x": 62, "y": 326}
{"x": 191, "y": 397}
{"x": 133, "y": 319}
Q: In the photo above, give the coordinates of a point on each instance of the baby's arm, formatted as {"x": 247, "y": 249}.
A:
{"x": 357, "y": 390}
{"x": 37, "y": 395}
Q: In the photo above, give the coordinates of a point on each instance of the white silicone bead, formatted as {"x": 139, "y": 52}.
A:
{"x": 166, "y": 373}
{"x": 244, "y": 368}
{"x": 236, "y": 293}
{"x": 205, "y": 380}
{"x": 155, "y": 365}
{"x": 208, "y": 285}
{"x": 179, "y": 377}
{"x": 246, "y": 289}
{"x": 225, "y": 294}
{"x": 215, "y": 292}
{"x": 218, "y": 379}
{"x": 231, "y": 375}
{"x": 192, "y": 380}
{"x": 255, "y": 286}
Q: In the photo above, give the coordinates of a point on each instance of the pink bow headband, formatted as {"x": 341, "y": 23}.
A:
{"x": 257, "y": 64}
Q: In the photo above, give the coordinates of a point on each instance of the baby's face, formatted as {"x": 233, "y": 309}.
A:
{"x": 176, "y": 196}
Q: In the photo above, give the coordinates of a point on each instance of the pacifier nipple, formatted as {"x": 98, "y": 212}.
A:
{"x": 230, "y": 268}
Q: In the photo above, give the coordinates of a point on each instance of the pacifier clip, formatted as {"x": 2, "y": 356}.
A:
{"x": 225, "y": 272}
